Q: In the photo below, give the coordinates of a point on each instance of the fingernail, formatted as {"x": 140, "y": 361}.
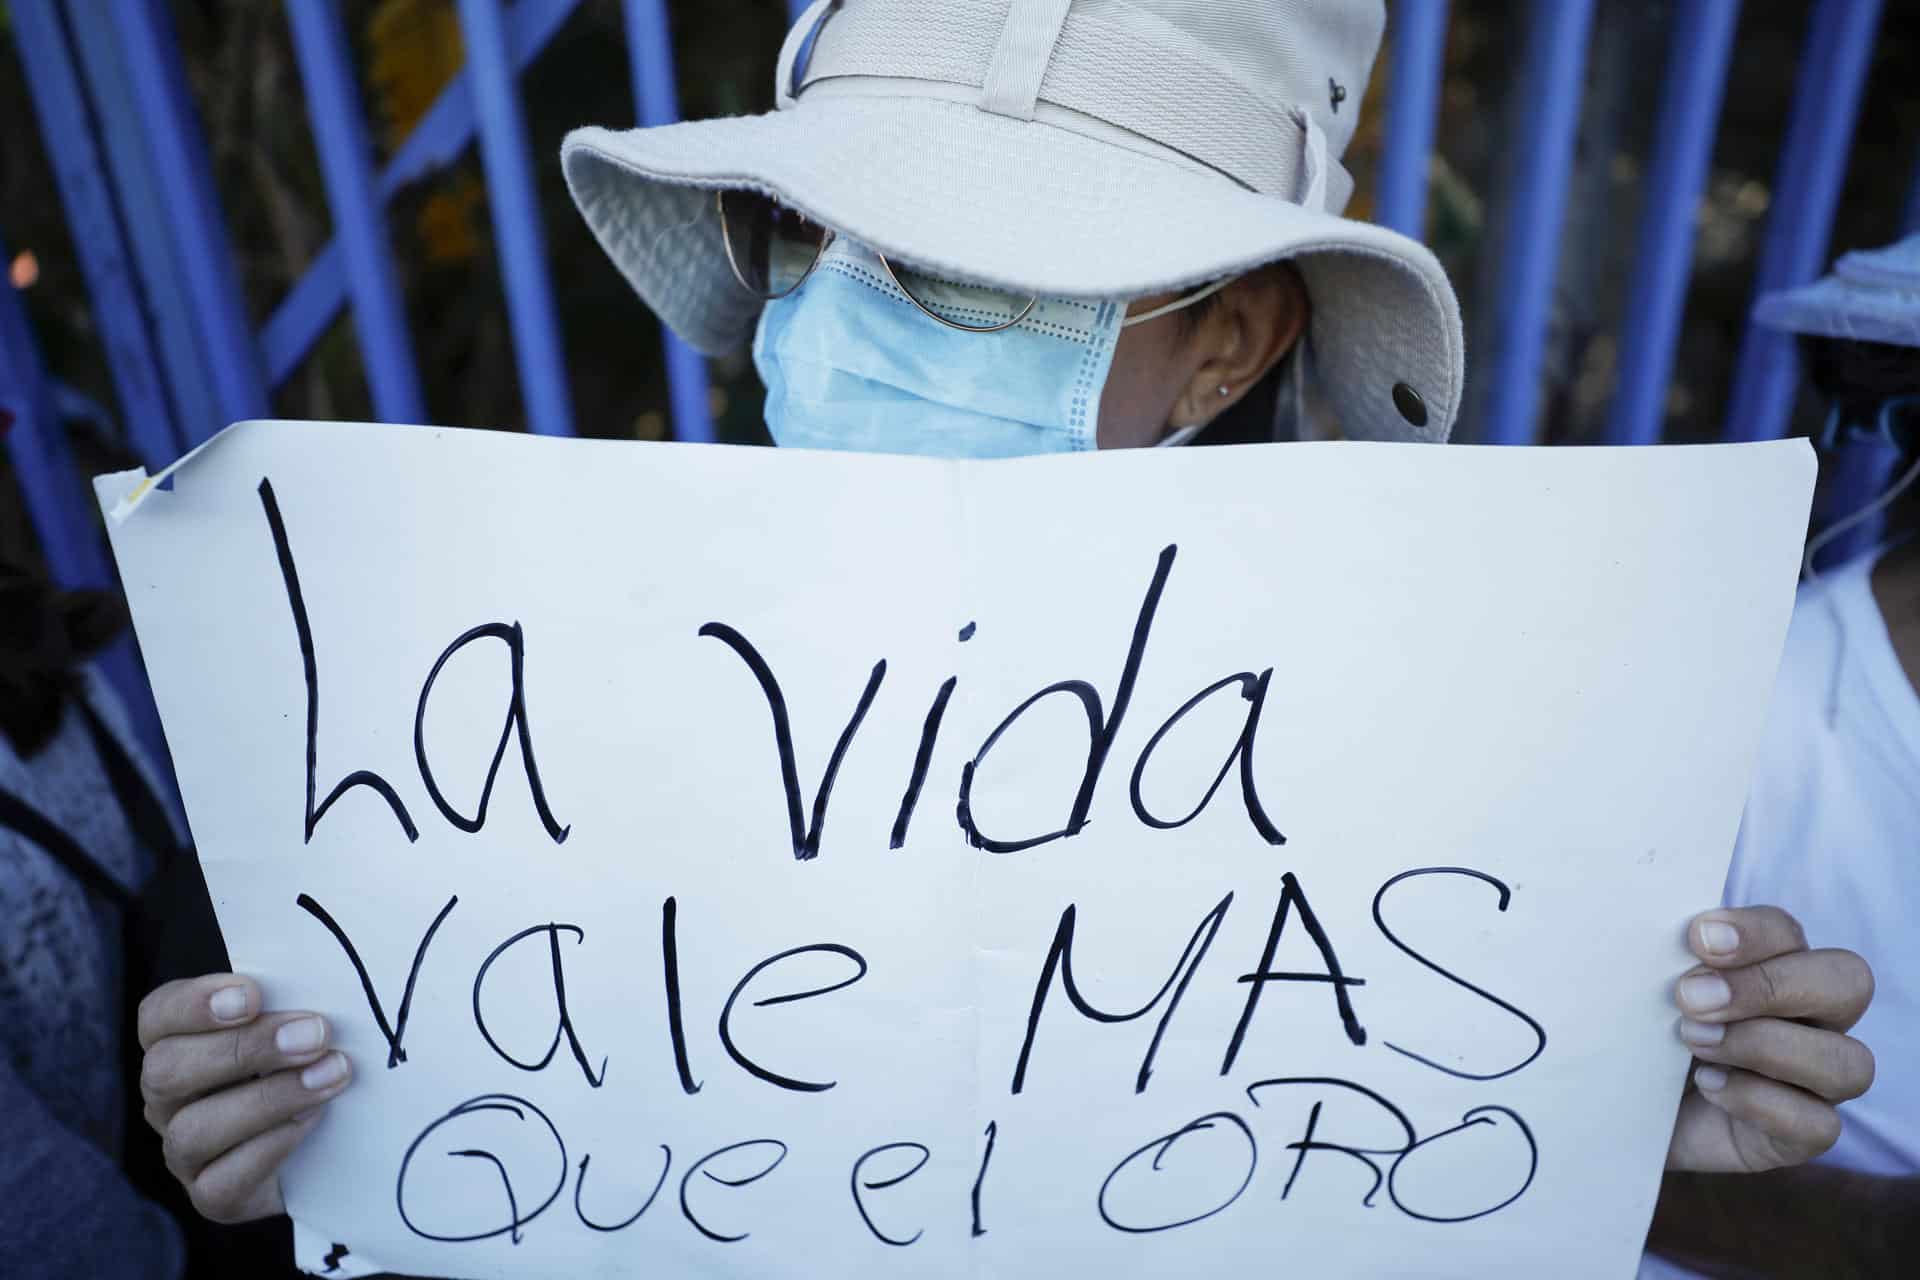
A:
{"x": 302, "y": 1035}
{"x": 1719, "y": 937}
{"x": 228, "y": 1004}
{"x": 1705, "y": 992}
{"x": 1710, "y": 1079}
{"x": 1701, "y": 1033}
{"x": 326, "y": 1073}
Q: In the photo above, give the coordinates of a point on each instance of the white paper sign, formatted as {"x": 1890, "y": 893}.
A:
{"x": 1266, "y": 860}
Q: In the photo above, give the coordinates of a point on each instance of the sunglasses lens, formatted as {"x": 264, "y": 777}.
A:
{"x": 964, "y": 306}
{"x": 770, "y": 246}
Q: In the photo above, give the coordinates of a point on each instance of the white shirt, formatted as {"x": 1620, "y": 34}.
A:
{"x": 1832, "y": 834}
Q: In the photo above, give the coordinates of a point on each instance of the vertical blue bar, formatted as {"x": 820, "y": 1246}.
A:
{"x": 1697, "y": 58}
{"x": 340, "y": 134}
{"x": 95, "y": 224}
{"x": 650, "y": 48}
{"x": 436, "y": 142}
{"x": 1550, "y": 88}
{"x": 50, "y": 484}
{"x": 59, "y": 505}
{"x": 1418, "y": 63}
{"x": 1826, "y": 102}
{"x": 795, "y": 8}
{"x": 177, "y": 338}
{"x": 516, "y": 220}
{"x": 185, "y": 175}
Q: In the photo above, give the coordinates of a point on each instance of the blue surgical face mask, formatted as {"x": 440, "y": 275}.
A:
{"x": 850, "y": 362}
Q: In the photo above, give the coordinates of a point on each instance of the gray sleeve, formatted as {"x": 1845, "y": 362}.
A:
{"x": 65, "y": 1208}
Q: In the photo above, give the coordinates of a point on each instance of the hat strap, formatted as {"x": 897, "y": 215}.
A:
{"x": 1020, "y": 62}
{"x": 1314, "y": 162}
{"x": 797, "y": 39}
{"x": 1113, "y": 64}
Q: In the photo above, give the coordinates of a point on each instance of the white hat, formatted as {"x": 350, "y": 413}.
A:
{"x": 1872, "y": 296}
{"x": 1074, "y": 148}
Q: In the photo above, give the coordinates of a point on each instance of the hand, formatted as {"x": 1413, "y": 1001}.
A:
{"x": 1767, "y": 1020}
{"x": 231, "y": 1091}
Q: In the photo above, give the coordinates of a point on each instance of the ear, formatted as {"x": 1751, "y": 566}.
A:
{"x": 1255, "y": 323}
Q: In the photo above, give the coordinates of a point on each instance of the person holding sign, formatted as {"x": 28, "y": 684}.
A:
{"x": 1836, "y": 792}
{"x": 980, "y": 229}
{"x": 82, "y": 836}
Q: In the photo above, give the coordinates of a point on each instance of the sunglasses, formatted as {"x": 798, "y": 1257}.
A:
{"x": 772, "y": 249}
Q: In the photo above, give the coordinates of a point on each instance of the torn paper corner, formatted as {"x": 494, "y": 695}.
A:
{"x": 128, "y": 489}
{"x": 316, "y": 1255}
{"x": 118, "y": 491}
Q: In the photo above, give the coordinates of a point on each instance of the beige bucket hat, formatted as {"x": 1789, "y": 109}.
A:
{"x": 1074, "y": 148}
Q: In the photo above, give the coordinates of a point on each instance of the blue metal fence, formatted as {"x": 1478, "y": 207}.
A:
{"x": 1551, "y": 81}
{"x": 132, "y": 169}
{"x": 1826, "y": 102}
{"x": 57, "y": 499}
{"x": 189, "y": 207}
{"x": 436, "y": 142}
{"x": 346, "y": 165}
{"x": 87, "y": 195}
{"x": 658, "y": 98}
{"x": 1417, "y": 61}
{"x": 516, "y": 220}
{"x": 1696, "y": 82}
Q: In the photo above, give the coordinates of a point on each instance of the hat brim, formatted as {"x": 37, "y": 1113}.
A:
{"x": 1021, "y": 205}
{"x": 1832, "y": 307}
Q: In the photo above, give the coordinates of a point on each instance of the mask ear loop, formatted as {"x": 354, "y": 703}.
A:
{"x": 1314, "y": 174}
{"x": 1178, "y": 436}
{"x": 1178, "y": 304}
{"x": 1831, "y": 432}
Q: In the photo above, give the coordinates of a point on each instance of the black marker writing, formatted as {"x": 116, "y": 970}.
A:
{"x": 1480, "y": 1119}
{"x": 1479, "y": 1116}
{"x": 565, "y": 1016}
{"x": 397, "y": 1031}
{"x": 311, "y": 667}
{"x": 700, "y": 1166}
{"x": 882, "y": 1184}
{"x": 922, "y": 758}
{"x": 1308, "y": 1143}
{"x": 1291, "y": 897}
{"x": 580, "y": 1183}
{"x": 670, "y": 966}
{"x": 1160, "y": 1147}
{"x": 980, "y": 1179}
{"x": 516, "y": 723}
{"x": 487, "y": 1102}
{"x": 1102, "y": 728}
{"x": 726, "y": 1012}
{"x": 1060, "y": 957}
{"x": 1254, "y": 689}
{"x": 1539, "y": 1032}
{"x": 513, "y": 1206}
{"x": 806, "y": 836}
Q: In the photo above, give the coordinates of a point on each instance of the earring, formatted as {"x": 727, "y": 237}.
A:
{"x": 1225, "y": 390}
